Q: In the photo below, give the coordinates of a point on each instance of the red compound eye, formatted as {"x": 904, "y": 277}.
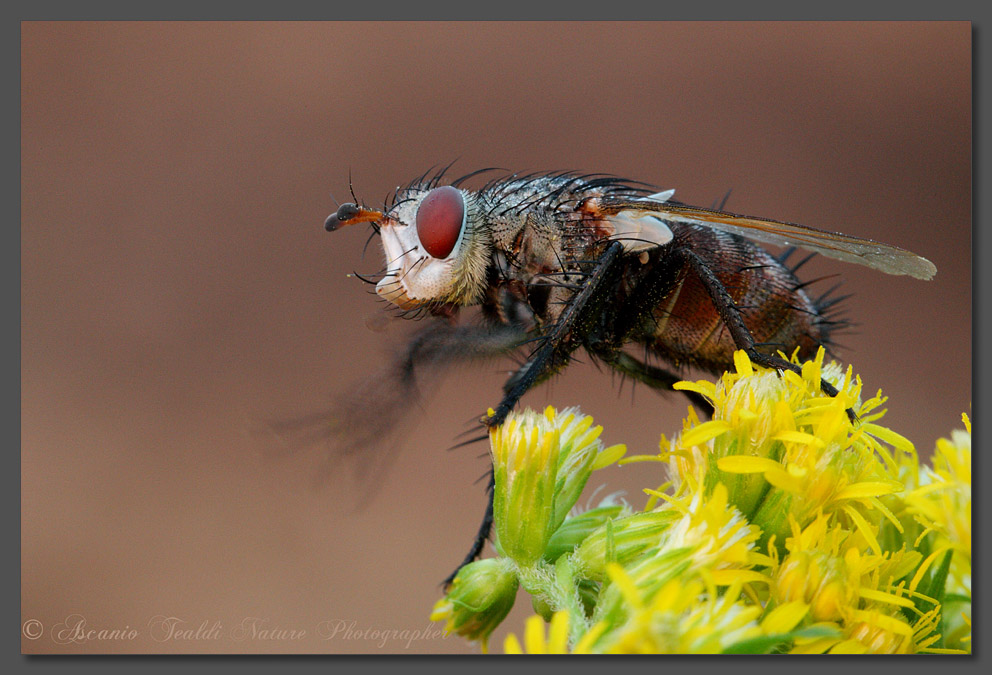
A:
{"x": 440, "y": 219}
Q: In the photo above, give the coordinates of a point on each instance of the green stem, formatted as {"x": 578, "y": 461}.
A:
{"x": 556, "y": 587}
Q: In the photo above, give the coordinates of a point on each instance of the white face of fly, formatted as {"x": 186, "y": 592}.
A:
{"x": 435, "y": 250}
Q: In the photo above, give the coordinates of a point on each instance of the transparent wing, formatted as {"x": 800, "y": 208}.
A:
{"x": 882, "y": 257}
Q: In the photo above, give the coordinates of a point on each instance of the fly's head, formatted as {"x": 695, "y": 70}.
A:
{"x": 436, "y": 244}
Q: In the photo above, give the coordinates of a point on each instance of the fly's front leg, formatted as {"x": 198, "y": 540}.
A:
{"x": 381, "y": 403}
{"x": 732, "y": 319}
{"x": 560, "y": 339}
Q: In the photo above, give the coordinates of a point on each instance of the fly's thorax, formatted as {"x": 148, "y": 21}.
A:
{"x": 546, "y": 246}
{"x": 437, "y": 248}
{"x": 506, "y": 231}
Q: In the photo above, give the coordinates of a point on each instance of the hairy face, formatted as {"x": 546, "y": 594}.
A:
{"x": 435, "y": 246}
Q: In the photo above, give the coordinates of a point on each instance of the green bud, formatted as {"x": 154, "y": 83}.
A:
{"x": 574, "y": 530}
{"x": 541, "y": 607}
{"x": 773, "y": 519}
{"x": 480, "y": 597}
{"x": 621, "y": 540}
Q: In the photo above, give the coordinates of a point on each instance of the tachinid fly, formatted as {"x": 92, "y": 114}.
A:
{"x": 558, "y": 262}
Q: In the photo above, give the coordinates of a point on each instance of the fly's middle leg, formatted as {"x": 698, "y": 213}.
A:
{"x": 555, "y": 344}
{"x": 654, "y": 377}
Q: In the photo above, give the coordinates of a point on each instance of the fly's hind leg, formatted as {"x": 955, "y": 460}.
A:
{"x": 732, "y": 319}
{"x": 482, "y": 536}
{"x": 520, "y": 375}
{"x": 656, "y": 378}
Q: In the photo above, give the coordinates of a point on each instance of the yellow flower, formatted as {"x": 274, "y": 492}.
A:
{"x": 783, "y": 448}
{"x": 833, "y": 572}
{"x": 525, "y": 451}
{"x": 818, "y": 581}
{"x": 685, "y": 616}
{"x": 942, "y": 504}
{"x": 784, "y": 526}
{"x": 718, "y": 535}
{"x": 706, "y": 544}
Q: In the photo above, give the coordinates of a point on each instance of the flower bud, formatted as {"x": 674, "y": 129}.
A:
{"x": 541, "y": 463}
{"x": 818, "y": 580}
{"x": 480, "y": 597}
{"x": 621, "y": 540}
{"x": 883, "y": 634}
{"x": 525, "y": 451}
{"x": 575, "y": 530}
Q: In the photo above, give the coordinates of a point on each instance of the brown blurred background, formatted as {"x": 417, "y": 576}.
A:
{"x": 178, "y": 287}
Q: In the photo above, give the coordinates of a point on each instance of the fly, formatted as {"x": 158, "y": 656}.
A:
{"x": 558, "y": 262}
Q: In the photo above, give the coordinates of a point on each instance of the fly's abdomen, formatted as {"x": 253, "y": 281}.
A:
{"x": 688, "y": 329}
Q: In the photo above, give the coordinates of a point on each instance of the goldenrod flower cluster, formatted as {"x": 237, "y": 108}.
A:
{"x": 791, "y": 522}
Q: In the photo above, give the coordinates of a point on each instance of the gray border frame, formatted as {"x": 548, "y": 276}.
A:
{"x": 312, "y": 10}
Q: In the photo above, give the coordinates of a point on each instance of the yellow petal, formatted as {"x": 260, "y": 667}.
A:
{"x": 881, "y": 596}
{"x": 585, "y": 643}
{"x": 884, "y": 622}
{"x": 512, "y": 645}
{"x": 727, "y": 577}
{"x": 640, "y": 458}
{"x": 534, "y": 635}
{"x": 799, "y": 437}
{"x": 889, "y": 436}
{"x": 590, "y": 436}
{"x": 704, "y": 432}
{"x": 784, "y": 480}
{"x": 849, "y": 647}
{"x": 558, "y": 633}
{"x": 864, "y": 528}
{"x": 746, "y": 464}
{"x": 924, "y": 566}
{"x": 609, "y": 455}
{"x": 759, "y": 559}
{"x": 869, "y": 489}
{"x": 888, "y": 514}
{"x": 935, "y": 650}
{"x": 625, "y": 584}
{"x": 785, "y": 617}
{"x": 702, "y": 387}
{"x": 742, "y": 363}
